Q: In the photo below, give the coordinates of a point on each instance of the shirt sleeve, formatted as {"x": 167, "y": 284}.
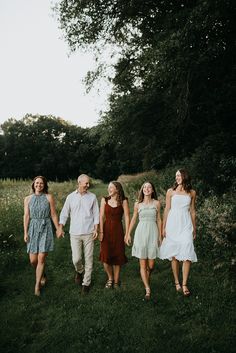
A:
{"x": 65, "y": 212}
{"x": 95, "y": 211}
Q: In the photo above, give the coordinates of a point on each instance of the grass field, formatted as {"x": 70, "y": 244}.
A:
{"x": 61, "y": 320}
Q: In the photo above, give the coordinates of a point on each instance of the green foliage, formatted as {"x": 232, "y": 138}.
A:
{"x": 217, "y": 229}
{"x": 173, "y": 77}
{"x": 11, "y": 222}
{"x": 213, "y": 165}
{"x": 62, "y": 320}
{"x": 45, "y": 145}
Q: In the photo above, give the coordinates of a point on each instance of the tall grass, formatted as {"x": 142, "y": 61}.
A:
{"x": 62, "y": 320}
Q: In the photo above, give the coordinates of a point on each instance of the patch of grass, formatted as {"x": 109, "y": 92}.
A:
{"x": 62, "y": 320}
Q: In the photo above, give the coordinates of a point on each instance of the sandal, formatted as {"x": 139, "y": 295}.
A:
{"x": 186, "y": 291}
{"x": 148, "y": 293}
{"x": 178, "y": 287}
{"x": 43, "y": 280}
{"x": 116, "y": 285}
{"x": 109, "y": 283}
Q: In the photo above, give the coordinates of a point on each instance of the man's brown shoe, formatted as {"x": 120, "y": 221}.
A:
{"x": 85, "y": 289}
{"x": 78, "y": 278}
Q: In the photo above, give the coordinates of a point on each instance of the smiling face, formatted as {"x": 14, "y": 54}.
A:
{"x": 39, "y": 185}
{"x": 178, "y": 178}
{"x": 147, "y": 189}
{"x": 112, "y": 190}
{"x": 84, "y": 184}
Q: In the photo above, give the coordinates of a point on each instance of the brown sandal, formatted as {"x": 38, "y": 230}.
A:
{"x": 178, "y": 287}
{"x": 148, "y": 294}
{"x": 109, "y": 283}
{"x": 186, "y": 291}
{"x": 116, "y": 285}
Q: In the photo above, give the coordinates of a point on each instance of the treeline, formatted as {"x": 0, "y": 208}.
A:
{"x": 173, "y": 101}
{"x": 61, "y": 151}
{"x": 49, "y": 146}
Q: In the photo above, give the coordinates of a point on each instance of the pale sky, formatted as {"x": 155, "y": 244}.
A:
{"x": 37, "y": 75}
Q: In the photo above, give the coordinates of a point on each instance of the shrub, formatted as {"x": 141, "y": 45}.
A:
{"x": 216, "y": 225}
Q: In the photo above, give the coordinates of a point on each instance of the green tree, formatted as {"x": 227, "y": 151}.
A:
{"x": 45, "y": 145}
{"x": 173, "y": 77}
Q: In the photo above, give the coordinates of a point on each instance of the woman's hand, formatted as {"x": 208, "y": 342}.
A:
{"x": 60, "y": 233}
{"x": 128, "y": 240}
{"x": 26, "y": 238}
{"x": 100, "y": 237}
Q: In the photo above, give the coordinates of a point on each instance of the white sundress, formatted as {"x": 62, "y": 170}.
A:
{"x": 178, "y": 242}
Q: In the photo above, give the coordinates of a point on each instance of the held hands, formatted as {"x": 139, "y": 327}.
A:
{"x": 100, "y": 238}
{"x": 59, "y": 232}
{"x": 128, "y": 240}
{"x": 95, "y": 234}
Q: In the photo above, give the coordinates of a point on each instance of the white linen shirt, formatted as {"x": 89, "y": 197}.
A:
{"x": 83, "y": 211}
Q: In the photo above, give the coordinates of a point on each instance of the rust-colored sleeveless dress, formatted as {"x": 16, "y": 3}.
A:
{"x": 112, "y": 248}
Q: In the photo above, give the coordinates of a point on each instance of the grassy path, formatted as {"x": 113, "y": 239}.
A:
{"x": 62, "y": 320}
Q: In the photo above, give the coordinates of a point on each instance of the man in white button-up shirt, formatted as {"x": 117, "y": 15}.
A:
{"x": 82, "y": 208}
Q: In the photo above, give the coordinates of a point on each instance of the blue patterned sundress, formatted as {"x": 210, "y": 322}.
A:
{"x": 40, "y": 231}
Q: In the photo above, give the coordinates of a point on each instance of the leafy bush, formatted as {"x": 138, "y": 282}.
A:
{"x": 213, "y": 165}
{"x": 216, "y": 227}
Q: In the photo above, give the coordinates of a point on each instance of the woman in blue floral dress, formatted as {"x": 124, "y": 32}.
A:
{"x": 39, "y": 212}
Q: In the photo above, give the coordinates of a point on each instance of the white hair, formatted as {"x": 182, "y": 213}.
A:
{"x": 82, "y": 176}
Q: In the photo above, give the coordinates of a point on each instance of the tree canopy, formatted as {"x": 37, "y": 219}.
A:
{"x": 173, "y": 77}
{"x": 45, "y": 145}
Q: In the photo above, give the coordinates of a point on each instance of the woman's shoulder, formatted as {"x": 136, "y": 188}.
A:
{"x": 156, "y": 202}
{"x": 49, "y": 197}
{"x": 192, "y": 193}
{"x": 170, "y": 191}
{"x": 137, "y": 204}
{"x": 104, "y": 199}
{"x": 28, "y": 198}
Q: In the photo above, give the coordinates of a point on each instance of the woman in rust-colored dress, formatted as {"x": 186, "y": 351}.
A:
{"x": 112, "y": 235}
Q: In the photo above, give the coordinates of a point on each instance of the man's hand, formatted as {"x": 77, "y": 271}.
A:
{"x": 59, "y": 232}
{"x": 95, "y": 234}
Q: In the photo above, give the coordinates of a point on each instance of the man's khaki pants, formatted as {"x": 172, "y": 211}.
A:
{"x": 83, "y": 244}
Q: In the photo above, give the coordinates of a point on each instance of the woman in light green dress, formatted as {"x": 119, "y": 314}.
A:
{"x": 147, "y": 234}
{"x": 39, "y": 210}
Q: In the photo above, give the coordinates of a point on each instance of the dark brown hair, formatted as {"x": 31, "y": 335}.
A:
{"x": 141, "y": 194}
{"x": 120, "y": 192}
{"x": 186, "y": 181}
{"x": 45, "y": 183}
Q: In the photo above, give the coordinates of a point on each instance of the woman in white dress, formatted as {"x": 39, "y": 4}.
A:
{"x": 179, "y": 228}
